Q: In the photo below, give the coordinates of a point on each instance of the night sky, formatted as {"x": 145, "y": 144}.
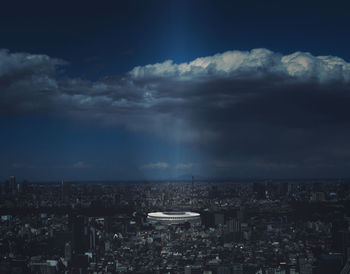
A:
{"x": 134, "y": 90}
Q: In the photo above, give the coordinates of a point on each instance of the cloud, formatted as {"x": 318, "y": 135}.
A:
{"x": 28, "y": 82}
{"x": 79, "y": 165}
{"x": 157, "y": 165}
{"x": 258, "y": 107}
{"x": 300, "y": 66}
{"x": 263, "y": 165}
{"x": 184, "y": 166}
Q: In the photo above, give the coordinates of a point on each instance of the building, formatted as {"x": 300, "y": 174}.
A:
{"x": 13, "y": 186}
{"x": 68, "y": 252}
{"x": 174, "y": 217}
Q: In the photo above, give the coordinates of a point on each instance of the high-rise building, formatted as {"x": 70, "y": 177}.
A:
{"x": 68, "y": 252}
{"x": 237, "y": 268}
{"x": 92, "y": 238}
{"x": 304, "y": 266}
{"x": 80, "y": 235}
{"x": 346, "y": 268}
{"x": 65, "y": 191}
{"x": 233, "y": 225}
{"x": 259, "y": 190}
{"x": 223, "y": 270}
{"x": 331, "y": 263}
{"x": 13, "y": 186}
{"x": 24, "y": 186}
{"x": 342, "y": 242}
{"x": 219, "y": 219}
{"x": 6, "y": 187}
{"x": 187, "y": 269}
{"x": 318, "y": 196}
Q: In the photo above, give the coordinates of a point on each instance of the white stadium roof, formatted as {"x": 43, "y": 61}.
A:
{"x": 173, "y": 216}
{"x": 186, "y": 214}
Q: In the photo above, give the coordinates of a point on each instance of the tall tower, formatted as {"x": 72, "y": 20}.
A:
{"x": 192, "y": 187}
{"x": 13, "y": 187}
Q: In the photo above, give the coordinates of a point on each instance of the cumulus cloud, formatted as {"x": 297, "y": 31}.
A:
{"x": 157, "y": 165}
{"x": 254, "y": 106}
{"x": 260, "y": 62}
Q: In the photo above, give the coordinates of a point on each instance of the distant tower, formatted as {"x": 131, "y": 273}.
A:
{"x": 192, "y": 186}
{"x": 13, "y": 187}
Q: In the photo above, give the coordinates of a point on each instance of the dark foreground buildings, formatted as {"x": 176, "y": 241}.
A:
{"x": 246, "y": 227}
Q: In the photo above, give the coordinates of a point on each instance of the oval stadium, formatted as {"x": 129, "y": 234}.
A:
{"x": 174, "y": 217}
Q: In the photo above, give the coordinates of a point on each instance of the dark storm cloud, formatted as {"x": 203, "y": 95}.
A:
{"x": 258, "y": 107}
{"x": 27, "y": 82}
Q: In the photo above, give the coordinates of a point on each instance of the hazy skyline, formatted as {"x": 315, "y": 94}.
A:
{"x": 154, "y": 90}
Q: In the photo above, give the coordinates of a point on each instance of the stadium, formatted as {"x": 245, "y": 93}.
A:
{"x": 174, "y": 217}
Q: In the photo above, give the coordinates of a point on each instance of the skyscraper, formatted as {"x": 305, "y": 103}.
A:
{"x": 80, "y": 235}
{"x": 13, "y": 186}
{"x": 68, "y": 251}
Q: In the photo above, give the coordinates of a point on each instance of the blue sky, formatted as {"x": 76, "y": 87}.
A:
{"x": 74, "y": 107}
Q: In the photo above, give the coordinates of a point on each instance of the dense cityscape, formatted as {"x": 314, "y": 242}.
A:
{"x": 257, "y": 226}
